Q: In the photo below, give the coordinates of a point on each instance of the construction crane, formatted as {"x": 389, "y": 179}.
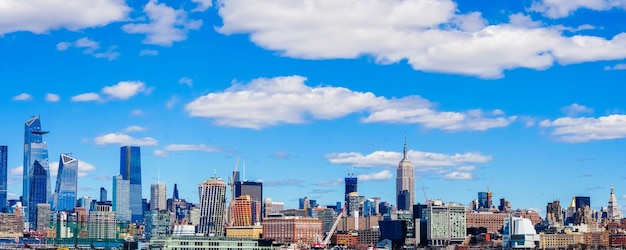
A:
{"x": 425, "y": 197}
{"x": 324, "y": 243}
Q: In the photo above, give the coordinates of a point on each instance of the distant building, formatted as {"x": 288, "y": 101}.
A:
{"x": 241, "y": 212}
{"x": 43, "y": 217}
{"x": 491, "y": 221}
{"x": 66, "y": 184}
{"x": 36, "y": 182}
{"x": 212, "y": 194}
{"x": 292, "y": 230}
{"x": 39, "y": 184}
{"x": 245, "y": 232}
{"x": 157, "y": 224}
{"x": 103, "y": 194}
{"x": 519, "y": 232}
{"x": 121, "y": 199}
{"x": 559, "y": 241}
{"x": 446, "y": 223}
{"x": 10, "y": 225}
{"x": 130, "y": 169}
{"x": 613, "y": 212}
{"x": 3, "y": 178}
{"x": 351, "y": 183}
{"x": 554, "y": 213}
{"x": 485, "y": 200}
{"x": 158, "y": 196}
{"x": 405, "y": 180}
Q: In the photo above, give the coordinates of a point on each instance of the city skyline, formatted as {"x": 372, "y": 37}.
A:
{"x": 489, "y": 95}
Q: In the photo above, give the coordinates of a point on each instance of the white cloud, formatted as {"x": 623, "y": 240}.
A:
{"x": 17, "y": 171}
{"x": 171, "y": 102}
{"x": 267, "y": 102}
{"x": 427, "y": 34}
{"x": 136, "y": 112}
{"x": 123, "y": 139}
{"x": 576, "y": 109}
{"x": 563, "y": 8}
{"x": 379, "y": 176}
{"x": 202, "y": 5}
{"x": 134, "y": 128}
{"x": 86, "y": 97}
{"x": 90, "y": 47}
{"x": 420, "y": 160}
{"x": 41, "y": 16}
{"x": 148, "y": 52}
{"x": 50, "y": 97}
{"x": 458, "y": 176}
{"x": 620, "y": 66}
{"x": 22, "y": 97}
{"x": 84, "y": 168}
{"x": 186, "y": 80}
{"x": 125, "y": 89}
{"x": 166, "y": 25}
{"x": 584, "y": 129}
{"x": 185, "y": 147}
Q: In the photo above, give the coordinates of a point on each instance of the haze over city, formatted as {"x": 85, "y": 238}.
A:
{"x": 524, "y": 98}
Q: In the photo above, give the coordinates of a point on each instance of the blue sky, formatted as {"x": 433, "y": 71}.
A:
{"x": 522, "y": 97}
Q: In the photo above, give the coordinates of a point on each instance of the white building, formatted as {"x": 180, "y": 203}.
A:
{"x": 121, "y": 199}
{"x": 158, "y": 196}
{"x": 519, "y": 232}
{"x": 613, "y": 212}
{"x": 212, "y": 207}
{"x": 102, "y": 223}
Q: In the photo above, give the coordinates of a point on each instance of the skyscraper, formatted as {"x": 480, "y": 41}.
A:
{"x": 38, "y": 187}
{"x": 66, "y": 185}
{"x": 103, "y": 194}
{"x": 3, "y": 178}
{"x": 613, "y": 212}
{"x": 212, "y": 194}
{"x": 130, "y": 169}
{"x": 405, "y": 180}
{"x": 351, "y": 185}
{"x": 158, "y": 196}
{"x": 35, "y": 150}
{"x": 121, "y": 199}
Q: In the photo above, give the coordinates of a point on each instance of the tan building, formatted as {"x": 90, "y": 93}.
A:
{"x": 597, "y": 239}
{"x": 10, "y": 225}
{"x": 293, "y": 230}
{"x": 350, "y": 223}
{"x": 492, "y": 221}
{"x": 241, "y": 212}
{"x": 559, "y": 241}
{"x": 533, "y": 216}
{"x": 246, "y": 232}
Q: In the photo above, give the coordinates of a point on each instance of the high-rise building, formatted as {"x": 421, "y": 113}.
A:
{"x": 130, "y": 169}
{"x": 252, "y": 188}
{"x": 613, "y": 212}
{"x": 405, "y": 180}
{"x": 554, "y": 213}
{"x": 212, "y": 194}
{"x": 485, "y": 200}
{"x": 43, "y": 217}
{"x": 446, "y": 223}
{"x": 38, "y": 186}
{"x": 102, "y": 222}
{"x": 582, "y": 201}
{"x": 121, "y": 199}
{"x": 158, "y": 196}
{"x": 157, "y": 223}
{"x": 103, "y": 194}
{"x": 66, "y": 185}
{"x": 35, "y": 151}
{"x": 3, "y": 178}
{"x": 241, "y": 212}
{"x": 351, "y": 185}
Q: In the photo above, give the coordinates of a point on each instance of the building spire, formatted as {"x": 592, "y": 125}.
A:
{"x": 405, "y": 158}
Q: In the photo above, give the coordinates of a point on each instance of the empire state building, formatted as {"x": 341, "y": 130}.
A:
{"x": 405, "y": 183}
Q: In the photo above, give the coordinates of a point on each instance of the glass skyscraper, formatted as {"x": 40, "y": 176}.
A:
{"x": 121, "y": 199}
{"x": 66, "y": 186}
{"x": 3, "y": 178}
{"x": 35, "y": 163}
{"x": 351, "y": 185}
{"x": 130, "y": 169}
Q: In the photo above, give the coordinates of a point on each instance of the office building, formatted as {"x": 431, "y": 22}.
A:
{"x": 67, "y": 184}
{"x": 251, "y": 188}
{"x": 485, "y": 200}
{"x": 351, "y": 185}
{"x": 491, "y": 221}
{"x": 241, "y": 212}
{"x": 103, "y": 194}
{"x": 158, "y": 196}
{"x": 43, "y": 217}
{"x": 519, "y": 232}
{"x": 405, "y": 180}
{"x": 212, "y": 194}
{"x": 157, "y": 224}
{"x": 130, "y": 169}
{"x": 582, "y": 201}
{"x": 35, "y": 153}
{"x": 613, "y": 212}
{"x": 292, "y": 230}
{"x": 446, "y": 223}
{"x": 3, "y": 178}
{"x": 121, "y": 199}
{"x": 554, "y": 213}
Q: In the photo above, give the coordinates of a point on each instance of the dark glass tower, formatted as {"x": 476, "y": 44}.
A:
{"x": 39, "y": 187}
{"x": 3, "y": 178}
{"x": 35, "y": 150}
{"x": 582, "y": 201}
{"x": 252, "y": 188}
{"x": 351, "y": 185}
{"x": 66, "y": 185}
{"x": 103, "y": 194}
{"x": 130, "y": 169}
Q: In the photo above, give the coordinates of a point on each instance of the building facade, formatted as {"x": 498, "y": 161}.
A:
{"x": 292, "y": 230}
{"x": 613, "y": 212}
{"x": 212, "y": 194}
{"x": 241, "y": 212}
{"x": 66, "y": 185}
{"x": 519, "y": 232}
{"x": 351, "y": 183}
{"x": 405, "y": 183}
{"x": 491, "y": 221}
{"x": 102, "y": 224}
{"x": 446, "y": 223}
{"x": 158, "y": 196}
{"x": 157, "y": 224}
{"x": 35, "y": 152}
{"x": 121, "y": 199}
{"x": 130, "y": 169}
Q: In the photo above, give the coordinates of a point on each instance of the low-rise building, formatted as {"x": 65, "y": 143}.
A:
{"x": 246, "y": 232}
{"x": 560, "y": 241}
{"x": 292, "y": 230}
{"x": 493, "y": 222}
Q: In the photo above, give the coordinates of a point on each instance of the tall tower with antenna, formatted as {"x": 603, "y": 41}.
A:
{"x": 405, "y": 183}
